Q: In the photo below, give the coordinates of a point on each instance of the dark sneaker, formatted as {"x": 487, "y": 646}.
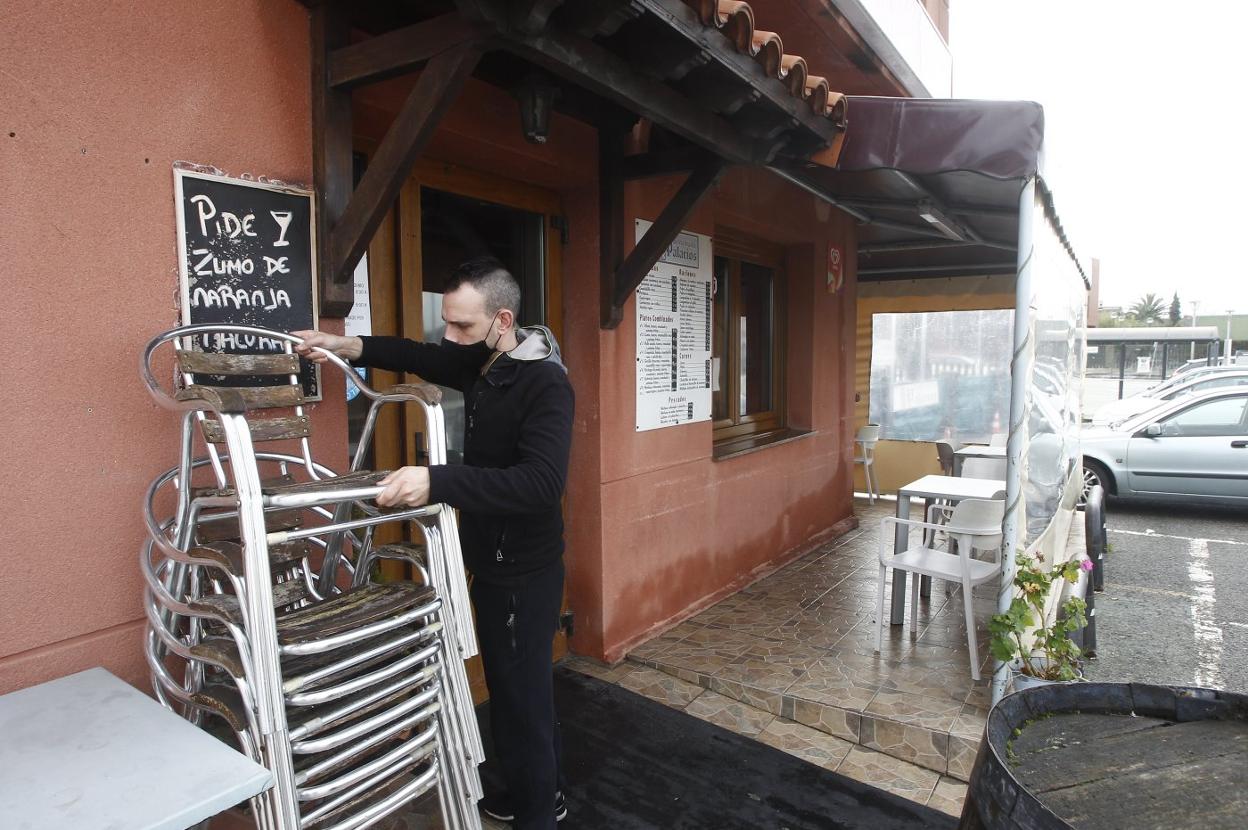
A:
{"x": 498, "y": 807}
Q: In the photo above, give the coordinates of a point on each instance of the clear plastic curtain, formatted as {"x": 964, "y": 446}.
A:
{"x": 941, "y": 376}
{"x": 1054, "y": 382}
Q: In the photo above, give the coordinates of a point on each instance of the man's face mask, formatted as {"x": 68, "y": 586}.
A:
{"x": 481, "y": 348}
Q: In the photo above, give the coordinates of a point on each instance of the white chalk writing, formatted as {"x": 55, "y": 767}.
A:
{"x": 229, "y": 225}
{"x": 225, "y": 296}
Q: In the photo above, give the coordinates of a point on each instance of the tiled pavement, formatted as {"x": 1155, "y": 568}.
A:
{"x": 800, "y": 645}
{"x": 791, "y": 661}
{"x": 848, "y": 758}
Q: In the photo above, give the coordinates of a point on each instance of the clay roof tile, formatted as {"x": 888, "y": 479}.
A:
{"x": 735, "y": 20}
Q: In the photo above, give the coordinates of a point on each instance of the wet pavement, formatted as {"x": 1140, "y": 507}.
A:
{"x": 1175, "y": 606}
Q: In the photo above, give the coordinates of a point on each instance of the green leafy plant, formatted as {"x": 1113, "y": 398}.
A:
{"x": 1052, "y": 655}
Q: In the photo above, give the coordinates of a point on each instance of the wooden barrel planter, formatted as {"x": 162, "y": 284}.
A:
{"x": 1112, "y": 755}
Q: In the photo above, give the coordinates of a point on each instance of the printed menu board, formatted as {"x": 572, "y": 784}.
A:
{"x": 674, "y": 313}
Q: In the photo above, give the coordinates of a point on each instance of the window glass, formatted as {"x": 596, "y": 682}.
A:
{"x": 1217, "y": 383}
{"x": 719, "y": 353}
{"x": 747, "y": 375}
{"x": 454, "y": 228}
{"x": 753, "y": 327}
{"x": 1224, "y": 416}
{"x": 1204, "y": 385}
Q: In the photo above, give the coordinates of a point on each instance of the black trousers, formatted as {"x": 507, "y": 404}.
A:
{"x": 515, "y": 628}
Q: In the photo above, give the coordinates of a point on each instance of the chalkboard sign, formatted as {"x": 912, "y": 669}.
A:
{"x": 247, "y": 258}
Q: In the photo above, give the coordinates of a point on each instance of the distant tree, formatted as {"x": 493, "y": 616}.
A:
{"x": 1148, "y": 309}
{"x": 1176, "y": 310}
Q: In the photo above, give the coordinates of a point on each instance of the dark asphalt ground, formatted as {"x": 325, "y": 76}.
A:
{"x": 1175, "y": 606}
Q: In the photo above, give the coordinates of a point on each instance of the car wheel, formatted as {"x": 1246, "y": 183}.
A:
{"x": 1094, "y": 473}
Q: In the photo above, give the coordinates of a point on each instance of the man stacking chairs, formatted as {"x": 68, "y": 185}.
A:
{"x": 262, "y": 610}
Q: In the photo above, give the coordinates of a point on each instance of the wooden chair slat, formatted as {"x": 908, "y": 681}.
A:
{"x": 272, "y": 429}
{"x": 229, "y": 554}
{"x": 226, "y": 530}
{"x": 271, "y": 397}
{"x": 233, "y": 365}
{"x": 426, "y": 392}
{"x": 258, "y": 397}
{"x": 354, "y": 609}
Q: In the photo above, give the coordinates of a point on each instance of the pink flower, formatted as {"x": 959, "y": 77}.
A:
{"x": 1085, "y": 564}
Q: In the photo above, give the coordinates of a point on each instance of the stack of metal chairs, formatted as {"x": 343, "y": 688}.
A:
{"x": 263, "y": 613}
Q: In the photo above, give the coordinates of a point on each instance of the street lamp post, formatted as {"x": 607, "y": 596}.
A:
{"x": 1195, "y": 303}
{"x": 1230, "y": 314}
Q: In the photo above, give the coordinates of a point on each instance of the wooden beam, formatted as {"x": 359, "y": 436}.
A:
{"x": 610, "y": 220}
{"x": 331, "y": 155}
{"x": 586, "y": 63}
{"x": 661, "y": 162}
{"x": 599, "y": 18}
{"x": 399, "y": 51}
{"x": 530, "y": 16}
{"x": 656, "y": 240}
{"x": 429, "y": 99}
{"x": 501, "y": 69}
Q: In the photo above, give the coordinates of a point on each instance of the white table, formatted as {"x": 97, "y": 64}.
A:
{"x": 975, "y": 451}
{"x": 949, "y": 488}
{"x": 88, "y": 750}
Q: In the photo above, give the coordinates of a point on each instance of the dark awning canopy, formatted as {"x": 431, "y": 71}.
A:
{"x": 935, "y": 183}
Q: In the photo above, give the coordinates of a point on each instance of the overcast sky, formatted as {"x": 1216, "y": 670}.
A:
{"x": 1146, "y": 148}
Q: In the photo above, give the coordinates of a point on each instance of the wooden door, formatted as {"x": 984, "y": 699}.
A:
{"x": 404, "y": 265}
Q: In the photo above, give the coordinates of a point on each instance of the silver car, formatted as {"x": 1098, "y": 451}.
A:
{"x": 1192, "y": 449}
{"x": 1177, "y": 387}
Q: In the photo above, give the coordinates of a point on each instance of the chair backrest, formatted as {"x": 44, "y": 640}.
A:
{"x": 990, "y": 468}
{"x": 944, "y": 453}
{"x": 276, "y": 387}
{"x": 982, "y": 517}
{"x": 868, "y": 436}
{"x": 998, "y": 439}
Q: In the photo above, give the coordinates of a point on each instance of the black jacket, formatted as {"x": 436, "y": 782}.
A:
{"x": 518, "y": 431}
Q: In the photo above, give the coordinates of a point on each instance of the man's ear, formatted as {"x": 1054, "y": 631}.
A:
{"x": 506, "y": 320}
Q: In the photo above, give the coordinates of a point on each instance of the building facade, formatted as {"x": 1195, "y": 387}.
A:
{"x": 99, "y": 107}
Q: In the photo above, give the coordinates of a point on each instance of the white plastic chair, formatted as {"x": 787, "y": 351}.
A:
{"x": 868, "y": 437}
{"x": 990, "y": 468}
{"x": 975, "y": 524}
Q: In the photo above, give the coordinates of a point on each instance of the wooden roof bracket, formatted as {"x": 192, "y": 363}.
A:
{"x": 348, "y": 217}
{"x": 620, "y": 275}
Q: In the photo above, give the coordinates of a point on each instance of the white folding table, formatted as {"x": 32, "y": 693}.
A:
{"x": 975, "y": 451}
{"x": 949, "y": 488}
{"x": 89, "y": 750}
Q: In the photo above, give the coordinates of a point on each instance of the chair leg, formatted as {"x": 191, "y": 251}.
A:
{"x": 879, "y": 611}
{"x": 968, "y": 605}
{"x": 915, "y": 579}
{"x": 953, "y": 548}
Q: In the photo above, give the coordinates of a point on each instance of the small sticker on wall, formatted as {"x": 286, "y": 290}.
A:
{"x": 836, "y": 269}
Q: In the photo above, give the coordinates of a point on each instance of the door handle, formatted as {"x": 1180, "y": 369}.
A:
{"x": 1239, "y": 445}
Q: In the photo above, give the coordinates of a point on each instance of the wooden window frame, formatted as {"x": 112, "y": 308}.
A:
{"x": 736, "y": 247}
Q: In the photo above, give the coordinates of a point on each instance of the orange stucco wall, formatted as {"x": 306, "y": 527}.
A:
{"x": 100, "y": 105}
{"x": 97, "y": 105}
{"x": 681, "y": 530}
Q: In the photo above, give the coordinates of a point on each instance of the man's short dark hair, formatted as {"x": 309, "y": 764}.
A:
{"x": 492, "y": 279}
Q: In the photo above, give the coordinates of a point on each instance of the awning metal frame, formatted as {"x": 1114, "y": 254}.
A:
{"x": 447, "y": 49}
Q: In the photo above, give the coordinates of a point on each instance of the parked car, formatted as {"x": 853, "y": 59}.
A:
{"x": 1192, "y": 448}
{"x": 1188, "y": 384}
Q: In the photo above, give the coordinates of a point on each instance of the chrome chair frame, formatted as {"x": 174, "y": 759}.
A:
{"x": 444, "y": 754}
